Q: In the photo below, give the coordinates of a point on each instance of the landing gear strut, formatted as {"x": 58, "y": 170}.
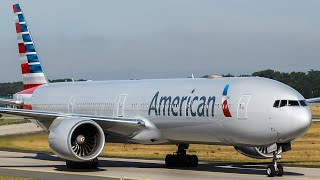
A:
{"x": 93, "y": 164}
{"x": 181, "y": 158}
{"x": 275, "y": 169}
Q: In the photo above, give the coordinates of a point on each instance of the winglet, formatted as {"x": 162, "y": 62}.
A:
{"x": 32, "y": 73}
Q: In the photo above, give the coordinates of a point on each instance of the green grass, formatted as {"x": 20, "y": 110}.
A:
{"x": 315, "y": 111}
{"x": 12, "y": 121}
{"x": 15, "y": 178}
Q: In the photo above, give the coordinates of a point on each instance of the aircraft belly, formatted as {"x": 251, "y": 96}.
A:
{"x": 187, "y": 130}
{"x": 249, "y": 133}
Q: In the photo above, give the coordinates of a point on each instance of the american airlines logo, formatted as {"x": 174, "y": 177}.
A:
{"x": 182, "y": 105}
{"x": 199, "y": 106}
{"x": 225, "y": 105}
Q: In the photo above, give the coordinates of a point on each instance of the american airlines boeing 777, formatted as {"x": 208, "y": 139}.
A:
{"x": 258, "y": 116}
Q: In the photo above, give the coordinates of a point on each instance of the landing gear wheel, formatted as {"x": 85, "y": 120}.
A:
{"x": 271, "y": 171}
{"x": 275, "y": 169}
{"x": 93, "y": 164}
{"x": 181, "y": 159}
{"x": 70, "y": 164}
{"x": 176, "y": 160}
{"x": 280, "y": 170}
{"x": 194, "y": 161}
{"x": 170, "y": 160}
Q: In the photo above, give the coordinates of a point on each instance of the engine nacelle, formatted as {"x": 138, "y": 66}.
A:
{"x": 76, "y": 139}
{"x": 256, "y": 152}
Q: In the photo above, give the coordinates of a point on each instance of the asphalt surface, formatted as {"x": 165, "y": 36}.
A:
{"x": 50, "y": 167}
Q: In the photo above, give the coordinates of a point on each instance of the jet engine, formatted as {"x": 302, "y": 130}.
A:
{"x": 256, "y": 152}
{"x": 76, "y": 139}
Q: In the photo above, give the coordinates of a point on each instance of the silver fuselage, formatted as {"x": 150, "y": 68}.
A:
{"x": 199, "y": 118}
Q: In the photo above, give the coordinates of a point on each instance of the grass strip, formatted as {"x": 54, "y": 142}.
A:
{"x": 15, "y": 178}
{"x": 12, "y": 121}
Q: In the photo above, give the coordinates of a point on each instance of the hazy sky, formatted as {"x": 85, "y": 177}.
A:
{"x": 121, "y": 39}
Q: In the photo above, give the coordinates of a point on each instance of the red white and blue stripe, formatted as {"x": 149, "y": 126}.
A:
{"x": 33, "y": 75}
{"x": 225, "y": 105}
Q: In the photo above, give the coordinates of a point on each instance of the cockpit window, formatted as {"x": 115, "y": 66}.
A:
{"x": 293, "y": 103}
{"x": 303, "y": 103}
{"x": 276, "y": 103}
{"x": 283, "y": 103}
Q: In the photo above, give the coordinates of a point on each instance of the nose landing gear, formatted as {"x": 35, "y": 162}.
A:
{"x": 181, "y": 158}
{"x": 275, "y": 169}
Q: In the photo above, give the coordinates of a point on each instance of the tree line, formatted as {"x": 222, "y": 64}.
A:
{"x": 307, "y": 83}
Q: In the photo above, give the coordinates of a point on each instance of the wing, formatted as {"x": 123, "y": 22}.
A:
{"x": 120, "y": 126}
{"x": 137, "y": 130}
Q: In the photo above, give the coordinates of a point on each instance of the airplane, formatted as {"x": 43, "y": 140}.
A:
{"x": 258, "y": 116}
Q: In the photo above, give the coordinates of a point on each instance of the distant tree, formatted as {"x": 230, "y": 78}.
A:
{"x": 245, "y": 75}
{"x": 8, "y": 89}
{"x": 228, "y": 75}
{"x": 308, "y": 84}
{"x": 60, "y": 80}
{"x": 65, "y": 80}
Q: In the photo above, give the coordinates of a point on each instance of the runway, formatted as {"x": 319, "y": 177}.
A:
{"x": 50, "y": 167}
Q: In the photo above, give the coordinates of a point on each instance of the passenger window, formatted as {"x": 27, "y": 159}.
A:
{"x": 283, "y": 103}
{"x": 303, "y": 103}
{"x": 276, "y": 103}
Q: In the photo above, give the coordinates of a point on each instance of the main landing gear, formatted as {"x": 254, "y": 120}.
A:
{"x": 181, "y": 158}
{"x": 275, "y": 169}
{"x": 93, "y": 164}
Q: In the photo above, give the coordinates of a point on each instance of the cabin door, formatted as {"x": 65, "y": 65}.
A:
{"x": 71, "y": 104}
{"x": 243, "y": 107}
{"x": 121, "y": 105}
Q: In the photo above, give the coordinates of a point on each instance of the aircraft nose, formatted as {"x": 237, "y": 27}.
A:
{"x": 303, "y": 120}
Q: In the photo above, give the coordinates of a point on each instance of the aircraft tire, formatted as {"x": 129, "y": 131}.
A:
{"x": 93, "y": 164}
{"x": 181, "y": 160}
{"x": 194, "y": 160}
{"x": 280, "y": 170}
{"x": 169, "y": 160}
{"x": 271, "y": 171}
